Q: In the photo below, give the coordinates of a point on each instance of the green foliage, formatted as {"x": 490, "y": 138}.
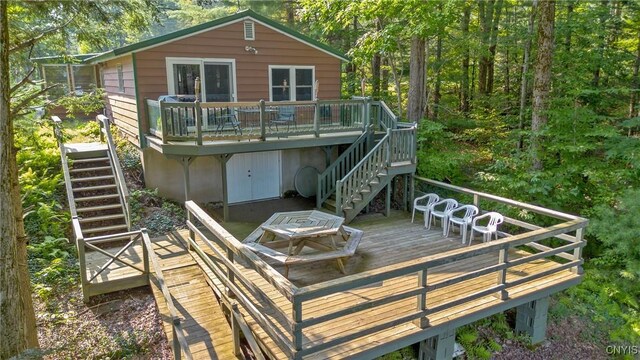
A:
{"x": 160, "y": 215}
{"x": 87, "y": 103}
{"x": 53, "y": 266}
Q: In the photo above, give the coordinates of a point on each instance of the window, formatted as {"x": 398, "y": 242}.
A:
{"x": 249, "y": 30}
{"x": 120, "y": 78}
{"x": 217, "y": 78}
{"x": 84, "y": 78}
{"x": 291, "y": 83}
{"x": 57, "y": 74}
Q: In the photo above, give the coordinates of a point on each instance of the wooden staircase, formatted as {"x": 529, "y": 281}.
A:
{"x": 96, "y": 190}
{"x": 394, "y": 154}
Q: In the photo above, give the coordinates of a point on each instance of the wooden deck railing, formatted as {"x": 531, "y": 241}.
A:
{"x": 340, "y": 167}
{"x": 210, "y": 121}
{"x": 290, "y": 330}
{"x": 123, "y": 191}
{"x": 57, "y": 131}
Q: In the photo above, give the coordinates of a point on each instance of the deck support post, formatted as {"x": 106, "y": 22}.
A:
{"x": 83, "y": 269}
{"x": 177, "y": 351}
{"x": 405, "y": 187}
{"x": 422, "y": 322}
{"x": 327, "y": 154}
{"x": 185, "y": 161}
{"x": 387, "y": 205}
{"x": 412, "y": 190}
{"x": 439, "y": 347}
{"x": 503, "y": 258}
{"x": 224, "y": 158}
{"x": 531, "y": 319}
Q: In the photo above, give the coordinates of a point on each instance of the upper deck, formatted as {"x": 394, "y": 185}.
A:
{"x": 211, "y": 128}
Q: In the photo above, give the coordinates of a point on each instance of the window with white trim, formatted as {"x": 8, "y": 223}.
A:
{"x": 249, "y": 30}
{"x": 291, "y": 83}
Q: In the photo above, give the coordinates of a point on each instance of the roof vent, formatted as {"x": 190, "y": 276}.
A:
{"x": 249, "y": 30}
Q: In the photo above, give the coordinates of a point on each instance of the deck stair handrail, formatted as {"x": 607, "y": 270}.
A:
{"x": 340, "y": 167}
{"x": 396, "y": 146}
{"x": 105, "y": 134}
{"x": 57, "y": 131}
{"x": 387, "y": 119}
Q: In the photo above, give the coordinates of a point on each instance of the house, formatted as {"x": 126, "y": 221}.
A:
{"x": 266, "y": 109}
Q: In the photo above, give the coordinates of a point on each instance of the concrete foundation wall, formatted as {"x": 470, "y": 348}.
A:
{"x": 205, "y": 173}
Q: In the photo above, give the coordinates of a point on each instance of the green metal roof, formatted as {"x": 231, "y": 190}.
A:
{"x": 63, "y": 59}
{"x": 210, "y": 24}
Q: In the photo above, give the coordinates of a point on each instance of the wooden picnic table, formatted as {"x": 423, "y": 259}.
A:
{"x": 296, "y": 230}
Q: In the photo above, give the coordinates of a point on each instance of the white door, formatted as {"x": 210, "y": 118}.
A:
{"x": 253, "y": 176}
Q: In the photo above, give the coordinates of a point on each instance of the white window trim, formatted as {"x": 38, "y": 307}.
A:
{"x": 170, "y": 61}
{"x": 292, "y": 77}
{"x": 253, "y": 26}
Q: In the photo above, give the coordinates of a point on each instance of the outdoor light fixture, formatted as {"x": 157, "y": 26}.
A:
{"x": 251, "y": 49}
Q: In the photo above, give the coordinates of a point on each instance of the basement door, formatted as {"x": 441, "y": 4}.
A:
{"x": 253, "y": 176}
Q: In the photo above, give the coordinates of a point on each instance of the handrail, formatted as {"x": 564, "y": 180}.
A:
{"x": 338, "y": 169}
{"x": 122, "y": 186}
{"x": 477, "y": 194}
{"x": 57, "y": 131}
{"x": 179, "y": 338}
{"x": 388, "y": 120}
{"x": 238, "y": 320}
{"x": 362, "y": 174}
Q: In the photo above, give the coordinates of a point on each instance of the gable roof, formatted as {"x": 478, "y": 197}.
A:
{"x": 245, "y": 14}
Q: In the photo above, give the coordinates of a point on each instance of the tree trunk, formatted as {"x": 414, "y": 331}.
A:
{"x": 290, "y": 7}
{"x": 635, "y": 83}
{"x": 436, "y": 91}
{"x": 17, "y": 318}
{"x": 375, "y": 71}
{"x": 493, "y": 45}
{"x": 384, "y": 82}
{"x": 416, "y": 96}
{"x": 542, "y": 79}
{"x": 464, "y": 83}
{"x": 525, "y": 71}
{"x": 485, "y": 8}
{"x": 567, "y": 37}
{"x": 397, "y": 85}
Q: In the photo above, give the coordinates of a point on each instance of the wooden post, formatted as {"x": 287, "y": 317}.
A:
{"x": 186, "y": 160}
{"x": 163, "y": 122}
{"x": 83, "y": 268}
{"x": 405, "y": 192}
{"x": 316, "y": 119}
{"x": 235, "y": 330}
{"x": 225, "y": 192}
{"x": 531, "y": 319}
{"x": 439, "y": 347}
{"x": 389, "y": 146}
{"x": 297, "y": 319}
{"x": 422, "y": 322}
{"x": 502, "y": 274}
{"x": 177, "y": 351}
{"x": 577, "y": 253}
{"x": 387, "y": 205}
{"x": 198, "y": 114}
{"x": 145, "y": 252}
{"x": 263, "y": 119}
{"x": 192, "y": 234}
{"x": 476, "y": 203}
{"x": 338, "y": 197}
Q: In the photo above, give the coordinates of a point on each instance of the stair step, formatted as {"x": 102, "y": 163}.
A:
{"x": 345, "y": 208}
{"x": 97, "y": 197}
{"x": 330, "y": 202}
{"x": 365, "y": 191}
{"x": 93, "y": 178}
{"x": 82, "y": 161}
{"x": 97, "y": 187}
{"x": 105, "y": 228}
{"x": 98, "y": 208}
{"x": 102, "y": 218}
{"x": 97, "y": 168}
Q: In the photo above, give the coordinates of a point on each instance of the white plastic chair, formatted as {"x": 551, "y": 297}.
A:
{"x": 495, "y": 219}
{"x": 430, "y": 200}
{"x": 463, "y": 221}
{"x": 435, "y": 212}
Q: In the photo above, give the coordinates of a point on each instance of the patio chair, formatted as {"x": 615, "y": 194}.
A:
{"x": 463, "y": 222}
{"x": 491, "y": 228}
{"x": 221, "y": 117}
{"x": 286, "y": 116}
{"x": 430, "y": 200}
{"x": 440, "y": 210}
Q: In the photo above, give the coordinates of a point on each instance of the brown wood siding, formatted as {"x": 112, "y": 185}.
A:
{"x": 122, "y": 107}
{"x": 252, "y": 70}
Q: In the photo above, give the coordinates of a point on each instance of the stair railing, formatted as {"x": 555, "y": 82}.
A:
{"x": 396, "y": 146}
{"x": 105, "y": 134}
{"x": 363, "y": 173}
{"x": 387, "y": 119}
{"x": 57, "y": 131}
{"x": 340, "y": 167}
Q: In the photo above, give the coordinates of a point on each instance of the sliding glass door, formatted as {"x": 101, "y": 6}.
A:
{"x": 217, "y": 78}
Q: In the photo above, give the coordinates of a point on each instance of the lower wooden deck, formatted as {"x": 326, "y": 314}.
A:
{"x": 206, "y": 328}
{"x": 386, "y": 241}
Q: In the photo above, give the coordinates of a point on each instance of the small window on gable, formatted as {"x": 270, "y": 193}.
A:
{"x": 249, "y": 30}
{"x": 120, "y": 79}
